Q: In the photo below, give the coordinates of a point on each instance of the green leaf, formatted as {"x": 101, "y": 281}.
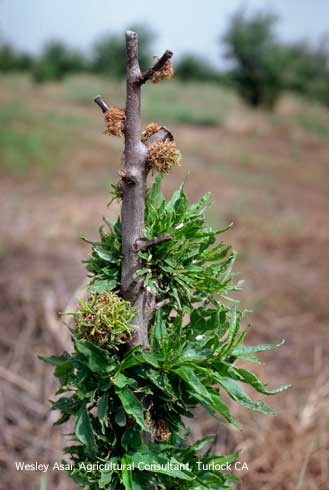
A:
{"x": 105, "y": 255}
{"x": 201, "y": 443}
{"x": 154, "y": 194}
{"x": 160, "y": 331}
{"x": 97, "y": 359}
{"x": 102, "y": 406}
{"x": 120, "y": 380}
{"x": 189, "y": 376}
{"x": 162, "y": 382}
{"x": 176, "y": 197}
{"x": 43, "y": 482}
{"x": 63, "y": 370}
{"x": 132, "y": 406}
{"x": 160, "y": 464}
{"x": 228, "y": 458}
{"x": 251, "y": 379}
{"x": 105, "y": 479}
{"x": 55, "y": 360}
{"x": 102, "y": 285}
{"x": 232, "y": 331}
{"x": 243, "y": 350}
{"x": 83, "y": 430}
{"x": 128, "y": 477}
{"x": 120, "y": 417}
{"x": 235, "y": 391}
{"x": 132, "y": 438}
{"x": 126, "y": 474}
{"x": 67, "y": 404}
{"x": 201, "y": 393}
{"x": 150, "y": 358}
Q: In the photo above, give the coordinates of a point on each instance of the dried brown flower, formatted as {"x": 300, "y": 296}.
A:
{"x": 115, "y": 119}
{"x": 165, "y": 73}
{"x": 163, "y": 156}
{"x": 161, "y": 431}
{"x": 149, "y": 130}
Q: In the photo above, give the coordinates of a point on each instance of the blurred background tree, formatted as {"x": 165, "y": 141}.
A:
{"x": 261, "y": 66}
{"x": 308, "y": 72}
{"x": 56, "y": 61}
{"x": 259, "y": 61}
{"x": 192, "y": 67}
{"x": 13, "y": 60}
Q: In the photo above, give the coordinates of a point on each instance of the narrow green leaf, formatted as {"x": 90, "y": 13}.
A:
{"x": 120, "y": 417}
{"x": 228, "y": 458}
{"x": 237, "y": 394}
{"x": 126, "y": 474}
{"x": 154, "y": 194}
{"x": 150, "y": 461}
{"x": 105, "y": 479}
{"x": 132, "y": 406}
{"x": 43, "y": 482}
{"x": 97, "y": 359}
{"x": 201, "y": 443}
{"x": 132, "y": 438}
{"x": 160, "y": 331}
{"x": 120, "y": 380}
{"x": 83, "y": 430}
{"x": 201, "y": 393}
{"x": 102, "y": 285}
{"x": 64, "y": 369}
{"x": 250, "y": 349}
{"x": 102, "y": 406}
{"x": 251, "y": 379}
{"x": 55, "y": 360}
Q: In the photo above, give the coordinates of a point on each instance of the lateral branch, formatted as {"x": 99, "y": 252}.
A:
{"x": 156, "y": 67}
{"x": 144, "y": 243}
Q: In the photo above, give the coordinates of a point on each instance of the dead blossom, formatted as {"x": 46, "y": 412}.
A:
{"x": 115, "y": 119}
{"x": 149, "y": 130}
{"x": 163, "y": 156}
{"x": 165, "y": 73}
{"x": 161, "y": 431}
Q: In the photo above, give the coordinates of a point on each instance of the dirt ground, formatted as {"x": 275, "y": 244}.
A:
{"x": 271, "y": 178}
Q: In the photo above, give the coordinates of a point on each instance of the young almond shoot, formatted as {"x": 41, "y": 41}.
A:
{"x": 159, "y": 334}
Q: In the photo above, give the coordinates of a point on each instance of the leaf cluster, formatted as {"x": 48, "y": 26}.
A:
{"x": 130, "y": 407}
{"x": 105, "y": 319}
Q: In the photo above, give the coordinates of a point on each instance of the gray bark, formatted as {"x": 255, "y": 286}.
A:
{"x": 133, "y": 202}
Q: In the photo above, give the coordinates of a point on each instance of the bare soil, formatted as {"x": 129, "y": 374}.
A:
{"x": 272, "y": 181}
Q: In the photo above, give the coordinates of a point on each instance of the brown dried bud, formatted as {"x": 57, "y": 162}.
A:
{"x": 163, "y": 156}
{"x": 115, "y": 119}
{"x": 149, "y": 130}
{"x": 161, "y": 431}
{"x": 165, "y": 73}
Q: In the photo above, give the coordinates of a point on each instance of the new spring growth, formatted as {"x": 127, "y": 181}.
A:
{"x": 104, "y": 320}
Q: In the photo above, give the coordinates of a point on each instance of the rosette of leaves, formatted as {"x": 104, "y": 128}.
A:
{"x": 191, "y": 267}
{"x": 103, "y": 264}
{"x": 122, "y": 401}
{"x": 105, "y": 320}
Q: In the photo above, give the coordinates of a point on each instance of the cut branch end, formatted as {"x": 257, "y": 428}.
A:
{"x": 101, "y": 103}
{"x": 157, "y": 67}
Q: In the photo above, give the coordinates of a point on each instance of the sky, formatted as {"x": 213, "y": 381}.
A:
{"x": 181, "y": 25}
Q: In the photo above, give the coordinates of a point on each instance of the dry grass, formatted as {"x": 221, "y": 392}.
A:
{"x": 267, "y": 174}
